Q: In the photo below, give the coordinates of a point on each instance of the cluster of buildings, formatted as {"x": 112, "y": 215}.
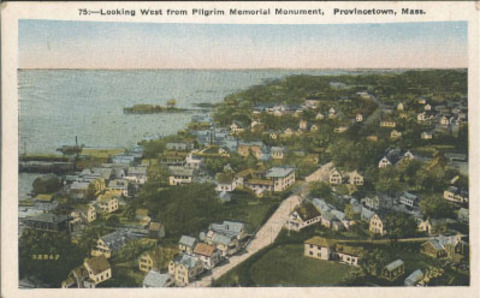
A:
{"x": 196, "y": 255}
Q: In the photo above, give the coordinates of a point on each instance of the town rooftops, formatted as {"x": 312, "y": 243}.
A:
{"x": 137, "y": 170}
{"x": 320, "y": 241}
{"x": 394, "y": 265}
{"x": 180, "y": 171}
{"x": 204, "y": 249}
{"x": 228, "y": 227}
{"x": 307, "y": 211}
{"x": 349, "y": 250}
{"x": 260, "y": 182}
{"x": 98, "y": 264}
{"x": 44, "y": 198}
{"x": 102, "y": 172}
{"x": 224, "y": 178}
{"x": 118, "y": 183}
{"x": 187, "y": 241}
{"x": 79, "y": 185}
{"x": 48, "y": 217}
{"x": 279, "y": 172}
{"x": 155, "y": 279}
{"x": 187, "y": 260}
{"x": 409, "y": 196}
{"x": 321, "y": 205}
{"x": 338, "y": 214}
{"x": 117, "y": 239}
{"x": 412, "y": 279}
{"x": 278, "y": 149}
{"x": 155, "y": 226}
{"x": 221, "y": 239}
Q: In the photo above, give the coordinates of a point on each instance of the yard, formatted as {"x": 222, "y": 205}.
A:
{"x": 286, "y": 265}
{"x": 126, "y": 275}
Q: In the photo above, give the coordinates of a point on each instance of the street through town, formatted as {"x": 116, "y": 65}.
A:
{"x": 264, "y": 237}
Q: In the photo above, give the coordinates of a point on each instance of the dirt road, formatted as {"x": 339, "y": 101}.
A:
{"x": 264, "y": 237}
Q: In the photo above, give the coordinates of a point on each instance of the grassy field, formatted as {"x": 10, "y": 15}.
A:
{"x": 285, "y": 265}
{"x": 252, "y": 214}
{"x": 125, "y": 275}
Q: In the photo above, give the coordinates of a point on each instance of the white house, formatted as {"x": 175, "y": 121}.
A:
{"x": 384, "y": 162}
{"x": 180, "y": 175}
{"x": 225, "y": 182}
{"x": 426, "y": 135}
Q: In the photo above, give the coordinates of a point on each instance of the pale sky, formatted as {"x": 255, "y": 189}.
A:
{"x": 72, "y": 44}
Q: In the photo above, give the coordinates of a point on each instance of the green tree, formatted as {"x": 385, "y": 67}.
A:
{"x": 113, "y": 221}
{"x": 46, "y": 184}
{"x": 388, "y": 181}
{"x": 400, "y": 225}
{"x": 319, "y": 189}
{"x": 435, "y": 206}
{"x": 51, "y": 271}
{"x": 374, "y": 260}
{"x": 130, "y": 211}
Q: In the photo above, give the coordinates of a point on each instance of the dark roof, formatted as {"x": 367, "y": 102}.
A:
{"x": 224, "y": 178}
{"x": 307, "y": 211}
{"x": 48, "y": 217}
{"x": 320, "y": 241}
{"x": 98, "y": 264}
{"x": 350, "y": 250}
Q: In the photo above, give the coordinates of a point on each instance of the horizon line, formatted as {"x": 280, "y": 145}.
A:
{"x": 267, "y": 68}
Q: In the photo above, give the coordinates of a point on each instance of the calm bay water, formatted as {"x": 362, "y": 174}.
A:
{"x": 57, "y": 105}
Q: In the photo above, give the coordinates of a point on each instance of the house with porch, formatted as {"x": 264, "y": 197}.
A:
{"x": 180, "y": 175}
{"x": 281, "y": 177}
{"x": 208, "y": 254}
{"x": 302, "y": 217}
{"x": 331, "y": 250}
{"x": 155, "y": 279}
{"x": 393, "y": 270}
{"x": 184, "y": 269}
{"x": 93, "y": 272}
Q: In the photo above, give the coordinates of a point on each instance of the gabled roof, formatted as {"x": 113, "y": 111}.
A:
{"x": 180, "y": 171}
{"x": 279, "y": 172}
{"x": 155, "y": 279}
{"x": 155, "y": 226}
{"x": 158, "y": 255}
{"x": 394, "y": 265}
{"x": 187, "y": 241}
{"x": 221, "y": 239}
{"x": 414, "y": 277}
{"x": 204, "y": 249}
{"x": 48, "y": 217}
{"x": 44, "y": 197}
{"x": 320, "y": 241}
{"x": 97, "y": 264}
{"x": 224, "y": 178}
{"x": 321, "y": 205}
{"x": 307, "y": 211}
{"x": 187, "y": 260}
{"x": 117, "y": 239}
{"x": 227, "y": 228}
{"x": 350, "y": 250}
{"x": 338, "y": 214}
{"x": 137, "y": 170}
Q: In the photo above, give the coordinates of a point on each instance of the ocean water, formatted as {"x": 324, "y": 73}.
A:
{"x": 57, "y": 105}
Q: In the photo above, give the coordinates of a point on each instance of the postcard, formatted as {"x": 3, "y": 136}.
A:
{"x": 239, "y": 148}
